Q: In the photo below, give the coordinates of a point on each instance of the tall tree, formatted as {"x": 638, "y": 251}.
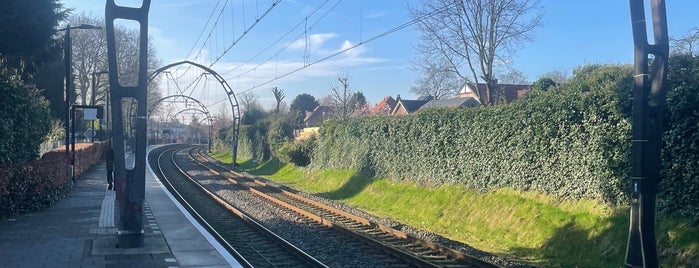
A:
{"x": 359, "y": 104}
{"x": 558, "y": 76}
{"x": 686, "y": 44}
{"x": 341, "y": 94}
{"x": 436, "y": 79}
{"x": 248, "y": 101}
{"x": 300, "y": 105}
{"x": 278, "y": 96}
{"x": 90, "y": 56}
{"x": 512, "y": 76}
{"x": 475, "y": 36}
{"x": 26, "y": 28}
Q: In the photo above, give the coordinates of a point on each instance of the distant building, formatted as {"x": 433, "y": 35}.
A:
{"x": 318, "y": 115}
{"x": 410, "y": 106}
{"x": 506, "y": 92}
{"x": 385, "y": 106}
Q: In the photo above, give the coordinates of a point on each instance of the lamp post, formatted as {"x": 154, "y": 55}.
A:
{"x": 69, "y": 84}
{"x": 106, "y": 115}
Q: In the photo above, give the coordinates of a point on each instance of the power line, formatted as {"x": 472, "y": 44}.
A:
{"x": 279, "y": 39}
{"x": 290, "y": 43}
{"x": 203, "y": 29}
{"x": 392, "y": 30}
{"x": 257, "y": 20}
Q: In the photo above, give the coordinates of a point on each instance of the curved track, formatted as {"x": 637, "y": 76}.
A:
{"x": 410, "y": 250}
{"x": 249, "y": 242}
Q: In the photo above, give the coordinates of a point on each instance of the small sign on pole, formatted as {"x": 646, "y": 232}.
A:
{"x": 90, "y": 114}
{"x": 88, "y": 134}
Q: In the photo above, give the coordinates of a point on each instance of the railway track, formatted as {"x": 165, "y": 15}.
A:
{"x": 410, "y": 250}
{"x": 249, "y": 242}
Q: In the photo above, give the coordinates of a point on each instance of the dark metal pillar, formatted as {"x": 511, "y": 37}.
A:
{"x": 130, "y": 183}
{"x": 647, "y": 129}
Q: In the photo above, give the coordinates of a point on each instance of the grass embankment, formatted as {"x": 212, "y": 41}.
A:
{"x": 529, "y": 227}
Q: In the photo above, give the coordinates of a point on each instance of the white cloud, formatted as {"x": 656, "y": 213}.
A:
{"x": 315, "y": 41}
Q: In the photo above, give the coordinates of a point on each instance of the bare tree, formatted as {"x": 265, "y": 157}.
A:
{"x": 558, "y": 76}
{"x": 475, "y": 36}
{"x": 248, "y": 101}
{"x": 279, "y": 96}
{"x": 687, "y": 43}
{"x": 436, "y": 79}
{"x": 512, "y": 76}
{"x": 90, "y": 56}
{"x": 222, "y": 119}
{"x": 341, "y": 95}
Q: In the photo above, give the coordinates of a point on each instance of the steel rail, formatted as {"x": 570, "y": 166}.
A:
{"x": 421, "y": 260}
{"x": 251, "y": 222}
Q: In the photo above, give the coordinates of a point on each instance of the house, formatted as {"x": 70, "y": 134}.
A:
{"x": 410, "y": 106}
{"x": 508, "y": 92}
{"x": 318, "y": 115}
{"x": 385, "y": 106}
{"x": 456, "y": 103}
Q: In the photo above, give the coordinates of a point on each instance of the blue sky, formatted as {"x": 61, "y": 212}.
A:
{"x": 574, "y": 33}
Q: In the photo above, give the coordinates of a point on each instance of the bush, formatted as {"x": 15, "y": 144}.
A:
{"x": 298, "y": 153}
{"x": 24, "y": 121}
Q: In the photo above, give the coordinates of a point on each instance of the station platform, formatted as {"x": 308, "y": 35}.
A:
{"x": 79, "y": 231}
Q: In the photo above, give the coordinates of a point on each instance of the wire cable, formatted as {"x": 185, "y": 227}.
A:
{"x": 390, "y": 31}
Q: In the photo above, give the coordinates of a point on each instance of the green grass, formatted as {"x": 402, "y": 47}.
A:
{"x": 527, "y": 226}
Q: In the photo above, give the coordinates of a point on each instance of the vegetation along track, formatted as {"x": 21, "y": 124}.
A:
{"x": 251, "y": 243}
{"x": 413, "y": 251}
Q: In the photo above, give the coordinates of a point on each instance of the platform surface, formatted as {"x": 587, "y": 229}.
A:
{"x": 79, "y": 231}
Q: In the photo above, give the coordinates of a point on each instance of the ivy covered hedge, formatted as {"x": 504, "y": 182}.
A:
{"x": 571, "y": 141}
{"x": 258, "y": 141}
{"x": 679, "y": 189}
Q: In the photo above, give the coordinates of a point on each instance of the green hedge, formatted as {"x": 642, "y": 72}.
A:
{"x": 570, "y": 141}
{"x": 40, "y": 183}
{"x": 679, "y": 189}
{"x": 252, "y": 142}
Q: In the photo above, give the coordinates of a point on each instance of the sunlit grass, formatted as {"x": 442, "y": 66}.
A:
{"x": 528, "y": 226}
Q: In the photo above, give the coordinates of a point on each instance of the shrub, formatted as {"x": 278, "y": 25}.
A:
{"x": 24, "y": 121}
{"x": 298, "y": 153}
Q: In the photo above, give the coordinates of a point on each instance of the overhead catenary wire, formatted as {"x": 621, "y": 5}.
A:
{"x": 248, "y": 29}
{"x": 279, "y": 39}
{"x": 290, "y": 43}
{"x": 383, "y": 34}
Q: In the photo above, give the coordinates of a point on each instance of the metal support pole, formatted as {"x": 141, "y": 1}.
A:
{"x": 647, "y": 129}
{"x": 130, "y": 183}
{"x": 68, "y": 88}
{"x": 72, "y": 142}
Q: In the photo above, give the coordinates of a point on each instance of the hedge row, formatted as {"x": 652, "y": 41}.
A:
{"x": 679, "y": 189}
{"x": 258, "y": 141}
{"x": 40, "y": 183}
{"x": 571, "y": 141}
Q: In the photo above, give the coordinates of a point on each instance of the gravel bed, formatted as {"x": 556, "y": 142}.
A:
{"x": 275, "y": 219}
{"x": 327, "y": 245}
